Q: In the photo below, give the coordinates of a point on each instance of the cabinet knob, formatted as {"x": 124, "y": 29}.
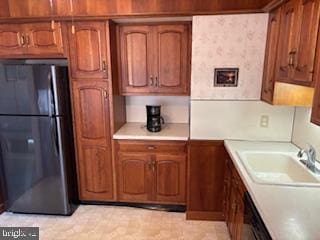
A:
{"x": 22, "y": 40}
{"x": 27, "y": 40}
{"x": 151, "y": 81}
{"x": 105, "y": 93}
{"x": 157, "y": 82}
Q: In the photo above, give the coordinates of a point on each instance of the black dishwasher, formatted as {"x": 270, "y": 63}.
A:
{"x": 253, "y": 227}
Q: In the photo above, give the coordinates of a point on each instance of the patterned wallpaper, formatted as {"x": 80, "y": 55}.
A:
{"x": 228, "y": 41}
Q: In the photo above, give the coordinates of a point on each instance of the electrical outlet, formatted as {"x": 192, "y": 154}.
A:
{"x": 264, "y": 121}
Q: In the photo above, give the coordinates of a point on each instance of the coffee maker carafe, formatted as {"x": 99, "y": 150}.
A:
{"x": 154, "y": 119}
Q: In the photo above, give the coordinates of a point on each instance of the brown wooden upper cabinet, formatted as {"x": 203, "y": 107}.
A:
{"x": 31, "y": 39}
{"x": 155, "y": 59}
{"x": 270, "y": 58}
{"x": 297, "y": 42}
{"x": 91, "y": 111}
{"x": 88, "y": 50}
{"x": 316, "y": 99}
{"x": 316, "y": 106}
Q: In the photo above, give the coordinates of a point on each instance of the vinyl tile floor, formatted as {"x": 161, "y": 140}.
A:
{"x": 91, "y": 222}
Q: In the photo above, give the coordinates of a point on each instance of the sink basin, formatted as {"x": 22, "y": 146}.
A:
{"x": 280, "y": 168}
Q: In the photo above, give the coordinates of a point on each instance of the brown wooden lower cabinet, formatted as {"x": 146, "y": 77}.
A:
{"x": 206, "y": 171}
{"x": 151, "y": 172}
{"x": 233, "y": 199}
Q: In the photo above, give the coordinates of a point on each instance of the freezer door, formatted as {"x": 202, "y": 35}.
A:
{"x": 26, "y": 89}
{"x": 34, "y": 170}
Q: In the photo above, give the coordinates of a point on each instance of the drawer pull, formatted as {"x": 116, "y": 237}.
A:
{"x": 152, "y": 147}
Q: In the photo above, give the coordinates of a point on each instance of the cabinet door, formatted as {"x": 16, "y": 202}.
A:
{"x": 206, "y": 171}
{"x": 271, "y": 56}
{"x": 172, "y": 60}
{"x": 42, "y": 39}
{"x": 170, "y": 178}
{"x": 91, "y": 116}
{"x": 226, "y": 191}
{"x": 316, "y": 106}
{"x": 134, "y": 177}
{"x": 286, "y": 45}
{"x": 136, "y": 59}
{"x": 88, "y": 50}
{"x": 316, "y": 100}
{"x": 231, "y": 223}
{"x": 239, "y": 217}
{"x": 307, "y": 33}
{"x": 12, "y": 40}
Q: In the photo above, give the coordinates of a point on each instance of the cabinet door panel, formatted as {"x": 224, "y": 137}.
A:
{"x": 316, "y": 106}
{"x": 91, "y": 109}
{"x": 95, "y": 173}
{"x": 134, "y": 177}
{"x": 136, "y": 58}
{"x": 172, "y": 61}
{"x": 286, "y": 47}
{"x": 92, "y": 112}
{"x": 307, "y": 23}
{"x": 206, "y": 171}
{"x": 88, "y": 50}
{"x": 271, "y": 56}
{"x": 170, "y": 178}
{"x": 11, "y": 40}
{"x": 315, "y": 118}
{"x": 42, "y": 39}
{"x": 91, "y": 116}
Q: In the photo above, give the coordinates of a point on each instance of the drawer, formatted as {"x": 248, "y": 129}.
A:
{"x": 152, "y": 146}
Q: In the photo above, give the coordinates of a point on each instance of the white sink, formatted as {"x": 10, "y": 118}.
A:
{"x": 280, "y": 168}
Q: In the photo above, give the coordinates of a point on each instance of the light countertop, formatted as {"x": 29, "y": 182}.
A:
{"x": 138, "y": 131}
{"x": 288, "y": 212}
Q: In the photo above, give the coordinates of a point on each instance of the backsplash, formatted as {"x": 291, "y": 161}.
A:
{"x": 173, "y": 109}
{"x": 228, "y": 41}
{"x": 304, "y": 131}
{"x": 240, "y": 120}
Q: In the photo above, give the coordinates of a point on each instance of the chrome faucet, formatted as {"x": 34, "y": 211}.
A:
{"x": 311, "y": 160}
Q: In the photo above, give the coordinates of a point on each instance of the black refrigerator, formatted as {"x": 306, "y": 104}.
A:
{"x": 36, "y": 138}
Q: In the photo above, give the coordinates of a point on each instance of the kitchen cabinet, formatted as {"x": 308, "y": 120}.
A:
{"x": 290, "y": 62}
{"x": 297, "y": 42}
{"x": 206, "y": 171}
{"x": 136, "y": 59}
{"x": 34, "y": 39}
{"x": 315, "y": 118}
{"x": 270, "y": 57}
{"x": 316, "y": 107}
{"x": 88, "y": 50}
{"x": 135, "y": 177}
{"x": 151, "y": 171}
{"x": 155, "y": 59}
{"x": 233, "y": 195}
{"x": 170, "y": 178}
{"x": 94, "y": 161}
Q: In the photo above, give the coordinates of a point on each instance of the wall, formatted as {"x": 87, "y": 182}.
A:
{"x": 240, "y": 120}
{"x": 228, "y": 41}
{"x": 173, "y": 109}
{"x": 233, "y": 112}
{"x": 304, "y": 131}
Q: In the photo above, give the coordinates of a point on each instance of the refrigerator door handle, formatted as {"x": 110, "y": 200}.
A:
{"x": 55, "y": 90}
{"x": 56, "y": 128}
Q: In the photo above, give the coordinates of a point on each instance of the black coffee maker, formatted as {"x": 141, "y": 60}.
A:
{"x": 154, "y": 119}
